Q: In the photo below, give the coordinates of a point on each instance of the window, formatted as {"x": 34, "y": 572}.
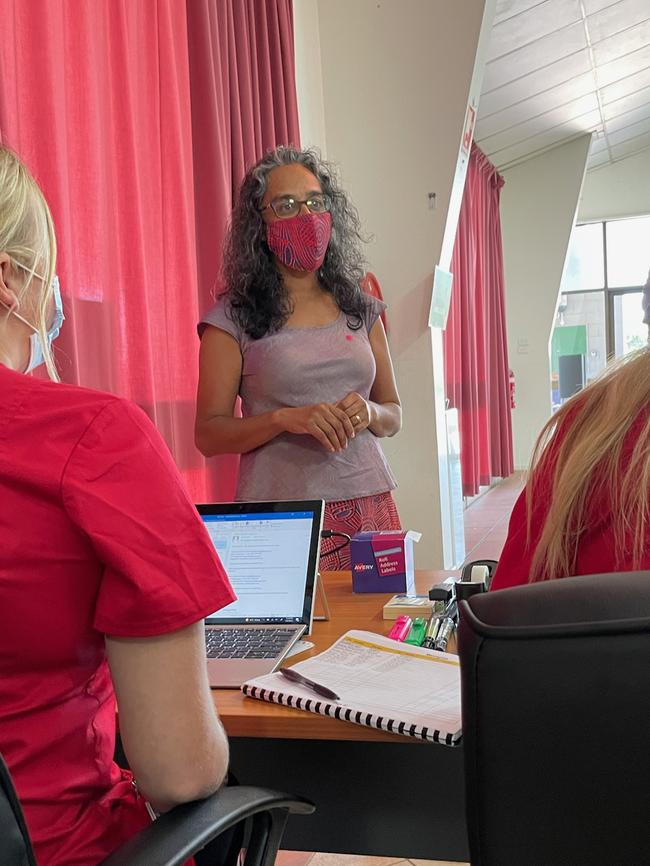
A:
{"x": 600, "y": 314}
{"x": 627, "y": 325}
{"x": 578, "y": 343}
{"x": 628, "y": 252}
{"x": 585, "y": 267}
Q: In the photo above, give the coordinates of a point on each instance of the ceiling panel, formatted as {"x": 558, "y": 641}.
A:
{"x": 540, "y": 103}
{"x": 597, "y": 159}
{"x": 618, "y": 17}
{"x": 559, "y": 68}
{"x": 627, "y": 103}
{"x": 592, "y": 6}
{"x": 536, "y": 125}
{"x": 625, "y": 86}
{"x": 598, "y": 144}
{"x": 616, "y": 134}
{"x": 624, "y": 43}
{"x": 599, "y": 151}
{"x": 535, "y": 56}
{"x": 632, "y": 145}
{"x": 532, "y": 25}
{"x": 629, "y": 64}
{"x": 627, "y": 118}
{"x": 520, "y": 89}
{"x": 508, "y": 8}
{"x": 541, "y": 142}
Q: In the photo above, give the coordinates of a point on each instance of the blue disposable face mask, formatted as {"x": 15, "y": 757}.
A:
{"x": 36, "y": 355}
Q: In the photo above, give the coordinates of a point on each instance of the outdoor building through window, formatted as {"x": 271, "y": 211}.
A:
{"x": 600, "y": 312}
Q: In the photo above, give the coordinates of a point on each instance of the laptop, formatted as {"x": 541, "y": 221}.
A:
{"x": 270, "y": 551}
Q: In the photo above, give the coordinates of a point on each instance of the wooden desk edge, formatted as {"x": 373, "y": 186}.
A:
{"x": 286, "y": 723}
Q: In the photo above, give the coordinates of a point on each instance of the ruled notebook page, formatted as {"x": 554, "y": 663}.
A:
{"x": 382, "y": 679}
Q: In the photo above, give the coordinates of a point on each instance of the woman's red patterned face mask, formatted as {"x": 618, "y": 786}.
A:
{"x": 301, "y": 242}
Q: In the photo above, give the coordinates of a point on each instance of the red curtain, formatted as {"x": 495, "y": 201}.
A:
{"x": 244, "y": 103}
{"x": 95, "y": 96}
{"x": 476, "y": 352}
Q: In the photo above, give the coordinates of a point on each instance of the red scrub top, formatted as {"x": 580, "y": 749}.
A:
{"x": 97, "y": 536}
{"x": 597, "y": 550}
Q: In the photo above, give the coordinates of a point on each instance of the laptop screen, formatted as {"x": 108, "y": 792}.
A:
{"x": 270, "y": 552}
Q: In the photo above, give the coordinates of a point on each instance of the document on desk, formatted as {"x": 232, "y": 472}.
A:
{"x": 380, "y": 683}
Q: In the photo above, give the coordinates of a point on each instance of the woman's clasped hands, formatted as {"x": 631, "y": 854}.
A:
{"x": 332, "y": 424}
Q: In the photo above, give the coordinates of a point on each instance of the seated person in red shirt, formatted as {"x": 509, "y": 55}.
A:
{"x": 106, "y": 573}
{"x": 586, "y": 507}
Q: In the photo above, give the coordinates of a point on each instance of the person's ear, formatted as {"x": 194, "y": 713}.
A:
{"x": 8, "y": 296}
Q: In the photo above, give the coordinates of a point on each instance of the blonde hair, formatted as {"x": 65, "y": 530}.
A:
{"x": 597, "y": 444}
{"x": 27, "y": 236}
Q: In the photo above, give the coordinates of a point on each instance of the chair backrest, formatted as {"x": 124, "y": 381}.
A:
{"x": 15, "y": 847}
{"x": 556, "y": 704}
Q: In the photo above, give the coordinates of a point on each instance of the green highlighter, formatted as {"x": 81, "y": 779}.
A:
{"x": 418, "y": 632}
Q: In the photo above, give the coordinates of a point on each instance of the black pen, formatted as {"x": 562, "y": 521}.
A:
{"x": 295, "y": 677}
{"x": 451, "y": 611}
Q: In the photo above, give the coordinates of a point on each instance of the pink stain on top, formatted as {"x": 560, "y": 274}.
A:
{"x": 348, "y": 336}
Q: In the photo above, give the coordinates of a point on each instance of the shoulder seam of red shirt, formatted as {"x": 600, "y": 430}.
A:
{"x": 111, "y": 399}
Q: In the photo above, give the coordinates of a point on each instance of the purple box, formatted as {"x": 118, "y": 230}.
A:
{"x": 383, "y": 561}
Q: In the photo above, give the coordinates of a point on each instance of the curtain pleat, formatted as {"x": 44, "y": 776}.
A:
{"x": 476, "y": 352}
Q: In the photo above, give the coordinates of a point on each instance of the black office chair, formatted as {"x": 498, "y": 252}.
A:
{"x": 176, "y": 835}
{"x": 556, "y": 705}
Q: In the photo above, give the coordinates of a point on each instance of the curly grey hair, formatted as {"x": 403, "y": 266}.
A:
{"x": 257, "y": 296}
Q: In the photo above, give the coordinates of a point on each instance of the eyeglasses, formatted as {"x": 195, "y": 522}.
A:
{"x": 287, "y": 206}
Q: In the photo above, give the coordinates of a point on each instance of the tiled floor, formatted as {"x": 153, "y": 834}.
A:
{"x": 486, "y": 519}
{"x": 486, "y": 525}
{"x": 302, "y": 858}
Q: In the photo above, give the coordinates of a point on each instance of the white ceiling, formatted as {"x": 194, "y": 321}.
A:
{"x": 559, "y": 68}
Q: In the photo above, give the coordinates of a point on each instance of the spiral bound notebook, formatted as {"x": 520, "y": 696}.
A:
{"x": 381, "y": 684}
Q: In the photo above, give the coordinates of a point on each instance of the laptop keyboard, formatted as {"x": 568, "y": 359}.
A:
{"x": 246, "y": 643}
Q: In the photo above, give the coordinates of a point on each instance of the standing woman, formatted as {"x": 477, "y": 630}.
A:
{"x": 295, "y": 337}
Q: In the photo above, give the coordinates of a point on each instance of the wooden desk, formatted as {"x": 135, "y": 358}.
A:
{"x": 376, "y": 793}
{"x": 245, "y": 717}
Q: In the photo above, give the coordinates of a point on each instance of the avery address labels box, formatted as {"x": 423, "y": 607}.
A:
{"x": 382, "y": 561}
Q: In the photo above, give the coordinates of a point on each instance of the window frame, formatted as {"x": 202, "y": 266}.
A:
{"x": 609, "y": 293}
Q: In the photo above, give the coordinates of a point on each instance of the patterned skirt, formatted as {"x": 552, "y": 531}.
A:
{"x": 351, "y": 516}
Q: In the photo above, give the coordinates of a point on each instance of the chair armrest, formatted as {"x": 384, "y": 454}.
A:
{"x": 178, "y": 834}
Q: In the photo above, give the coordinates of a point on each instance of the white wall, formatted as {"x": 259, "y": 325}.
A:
{"x": 618, "y": 190}
{"x": 538, "y": 208}
{"x": 396, "y": 78}
{"x": 309, "y": 75}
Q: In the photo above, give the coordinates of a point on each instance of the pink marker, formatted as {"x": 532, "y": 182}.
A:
{"x": 401, "y": 628}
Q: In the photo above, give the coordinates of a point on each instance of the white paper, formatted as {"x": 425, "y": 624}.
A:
{"x": 378, "y": 676}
